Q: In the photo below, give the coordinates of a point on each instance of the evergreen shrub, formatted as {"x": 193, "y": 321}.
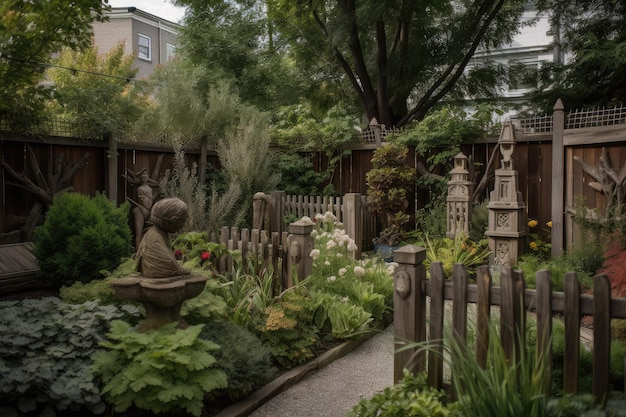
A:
{"x": 80, "y": 237}
{"x": 246, "y": 362}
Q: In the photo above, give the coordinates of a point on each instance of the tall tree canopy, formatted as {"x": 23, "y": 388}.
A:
{"x": 96, "y": 93}
{"x": 395, "y": 59}
{"x": 229, "y": 41}
{"x": 400, "y": 57}
{"x": 30, "y": 32}
{"x": 594, "y": 32}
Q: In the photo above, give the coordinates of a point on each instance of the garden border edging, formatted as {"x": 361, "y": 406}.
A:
{"x": 252, "y": 402}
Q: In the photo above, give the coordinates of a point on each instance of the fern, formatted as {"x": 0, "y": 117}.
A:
{"x": 160, "y": 371}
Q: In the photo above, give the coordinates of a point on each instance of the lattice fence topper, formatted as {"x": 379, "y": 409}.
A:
{"x": 575, "y": 119}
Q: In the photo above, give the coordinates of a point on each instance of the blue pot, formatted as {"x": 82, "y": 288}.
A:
{"x": 385, "y": 251}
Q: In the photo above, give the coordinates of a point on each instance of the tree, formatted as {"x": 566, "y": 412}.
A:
{"x": 96, "y": 92}
{"x": 399, "y": 57}
{"x": 594, "y": 32}
{"x": 189, "y": 111}
{"x": 30, "y": 32}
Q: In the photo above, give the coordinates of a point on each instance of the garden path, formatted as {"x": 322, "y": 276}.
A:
{"x": 335, "y": 389}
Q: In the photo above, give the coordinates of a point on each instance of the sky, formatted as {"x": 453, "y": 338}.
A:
{"x": 160, "y": 8}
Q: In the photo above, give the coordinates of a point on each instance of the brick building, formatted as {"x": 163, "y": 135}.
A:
{"x": 151, "y": 39}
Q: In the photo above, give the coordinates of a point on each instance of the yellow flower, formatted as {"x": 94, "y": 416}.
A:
{"x": 533, "y": 223}
{"x": 549, "y": 224}
{"x": 533, "y": 245}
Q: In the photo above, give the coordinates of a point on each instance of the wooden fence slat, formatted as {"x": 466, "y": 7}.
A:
{"x": 483, "y": 314}
{"x": 544, "y": 319}
{"x": 519, "y": 309}
{"x": 601, "y": 336}
{"x": 507, "y": 316}
{"x": 571, "y": 289}
{"x": 224, "y": 259}
{"x": 277, "y": 275}
{"x": 459, "y": 306}
{"x": 435, "y": 292}
{"x": 513, "y": 317}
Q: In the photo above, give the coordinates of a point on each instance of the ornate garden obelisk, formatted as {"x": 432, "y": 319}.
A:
{"x": 459, "y": 198}
{"x": 506, "y": 208}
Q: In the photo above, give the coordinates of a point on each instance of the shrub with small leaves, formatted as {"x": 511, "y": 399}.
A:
{"x": 246, "y": 362}
{"x": 164, "y": 370}
{"x": 80, "y": 237}
{"x": 45, "y": 349}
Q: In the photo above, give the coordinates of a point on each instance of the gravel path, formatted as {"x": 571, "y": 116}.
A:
{"x": 335, "y": 389}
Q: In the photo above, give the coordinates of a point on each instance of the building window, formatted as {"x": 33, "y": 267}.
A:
{"x": 524, "y": 75}
{"x": 170, "y": 52}
{"x": 144, "y": 50}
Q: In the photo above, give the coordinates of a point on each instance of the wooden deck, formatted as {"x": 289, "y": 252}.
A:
{"x": 18, "y": 268}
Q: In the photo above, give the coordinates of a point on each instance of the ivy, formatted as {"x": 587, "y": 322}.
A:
{"x": 163, "y": 370}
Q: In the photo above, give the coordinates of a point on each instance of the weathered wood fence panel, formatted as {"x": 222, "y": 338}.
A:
{"x": 584, "y": 135}
{"x": 261, "y": 252}
{"x": 267, "y": 255}
{"x": 351, "y": 210}
{"x": 412, "y": 289}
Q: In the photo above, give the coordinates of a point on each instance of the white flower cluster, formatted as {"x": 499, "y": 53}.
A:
{"x": 332, "y": 242}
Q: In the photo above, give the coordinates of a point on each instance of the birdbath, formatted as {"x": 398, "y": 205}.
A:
{"x": 162, "y": 284}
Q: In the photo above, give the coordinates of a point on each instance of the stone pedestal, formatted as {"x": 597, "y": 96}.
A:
{"x": 162, "y": 297}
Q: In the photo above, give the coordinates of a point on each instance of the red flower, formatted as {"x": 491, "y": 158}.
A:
{"x": 178, "y": 254}
{"x": 205, "y": 256}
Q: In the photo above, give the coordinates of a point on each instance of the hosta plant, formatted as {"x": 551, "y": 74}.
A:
{"x": 411, "y": 397}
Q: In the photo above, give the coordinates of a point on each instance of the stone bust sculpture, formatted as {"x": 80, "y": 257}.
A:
{"x": 155, "y": 258}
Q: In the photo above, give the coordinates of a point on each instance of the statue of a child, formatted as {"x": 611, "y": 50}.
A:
{"x": 155, "y": 258}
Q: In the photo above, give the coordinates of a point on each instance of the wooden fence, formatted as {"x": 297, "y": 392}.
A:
{"x": 546, "y": 152}
{"x": 268, "y": 255}
{"x": 261, "y": 252}
{"x": 351, "y": 210}
{"x": 273, "y": 211}
{"x": 514, "y": 301}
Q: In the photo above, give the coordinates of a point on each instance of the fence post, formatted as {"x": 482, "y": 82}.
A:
{"x": 409, "y": 311}
{"x": 258, "y": 210}
{"x": 558, "y": 169}
{"x": 112, "y": 168}
{"x": 601, "y": 336}
{"x": 300, "y": 244}
{"x": 352, "y": 221}
{"x": 277, "y": 213}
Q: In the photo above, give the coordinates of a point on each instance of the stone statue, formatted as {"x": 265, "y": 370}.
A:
{"x": 155, "y": 258}
{"x": 143, "y": 207}
{"x": 162, "y": 284}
